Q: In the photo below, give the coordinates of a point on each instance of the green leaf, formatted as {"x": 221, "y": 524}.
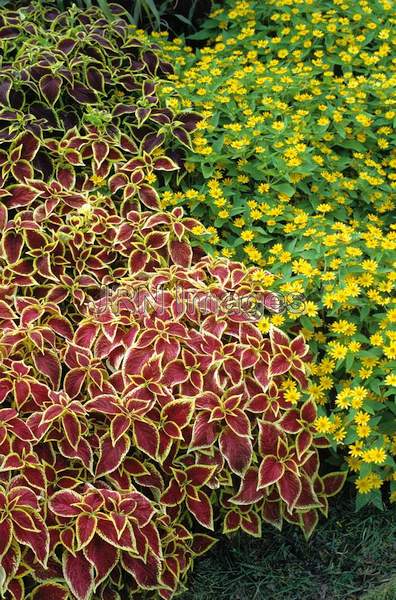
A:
{"x": 306, "y": 323}
{"x": 207, "y": 170}
{"x": 285, "y": 188}
{"x": 361, "y": 501}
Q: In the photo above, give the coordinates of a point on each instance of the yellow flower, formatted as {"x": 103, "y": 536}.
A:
{"x": 363, "y": 430}
{"x": 292, "y": 395}
{"x": 343, "y": 398}
{"x": 247, "y": 236}
{"x": 337, "y": 351}
{"x": 391, "y": 379}
{"x": 340, "y": 435}
{"x": 263, "y": 188}
{"x": 354, "y": 463}
{"x": 310, "y": 309}
{"x": 362, "y": 418}
{"x": 264, "y": 325}
{"x": 97, "y": 179}
{"x": 368, "y": 483}
{"x": 323, "y": 425}
{"x": 374, "y": 455}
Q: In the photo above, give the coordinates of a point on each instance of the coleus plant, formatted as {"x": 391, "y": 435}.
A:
{"x": 142, "y": 408}
{"x": 78, "y": 100}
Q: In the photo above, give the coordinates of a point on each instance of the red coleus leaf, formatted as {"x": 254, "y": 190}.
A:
{"x": 270, "y": 471}
{"x": 156, "y": 239}
{"x": 333, "y": 482}
{"x": 199, "y": 475}
{"x": 163, "y": 163}
{"x": 22, "y": 171}
{"x": 86, "y": 334}
{"x": 238, "y": 422}
{"x": 173, "y": 494}
{"x": 145, "y": 572}
{"x": 24, "y": 520}
{"x": 237, "y": 450}
{"x": 290, "y": 422}
{"x": 251, "y": 524}
{"x": 178, "y": 412}
{"x": 174, "y": 373}
{"x": 100, "y": 152}
{"x": 21, "y": 196}
{"x": 201, "y": 508}
{"x": 204, "y": 433}
{"x": 249, "y": 491}
{"x": 309, "y": 520}
{"x": 85, "y": 529}
{"x": 269, "y": 434}
{"x": 24, "y": 496}
{"x": 79, "y": 575}
{"x": 303, "y": 442}
{"x": 272, "y": 512}
{"x": 117, "y": 181}
{"x": 63, "y": 503}
{"x": 279, "y": 364}
{"x": 21, "y": 429}
{"x": 298, "y": 346}
{"x": 74, "y": 381}
{"x": 61, "y": 326}
{"x": 12, "y": 244}
{"x": 8, "y": 33}
{"x": 182, "y": 135}
{"x": 151, "y": 535}
{"x": 232, "y": 522}
{"x": 299, "y": 375}
{"x": 102, "y": 556}
{"x": 289, "y": 488}
{"x": 95, "y": 79}
{"x": 108, "y": 531}
{"x": 82, "y": 94}
{"x": 201, "y": 543}
{"x": 37, "y": 540}
{"x": 119, "y": 425}
{"x": 5, "y": 311}
{"x": 135, "y": 359}
{"x": 308, "y": 411}
{"x": 16, "y": 589}
{"x": 50, "y": 591}
{"x": 48, "y": 364}
{"x": 110, "y": 456}
{"x": 137, "y": 261}
{"x": 180, "y": 252}
{"x": 50, "y": 87}
{"x": 146, "y": 437}
{"x": 307, "y": 498}
{"x": 278, "y": 338}
{"x": 5, "y": 536}
{"x": 233, "y": 368}
{"x": 72, "y": 429}
{"x": 149, "y": 197}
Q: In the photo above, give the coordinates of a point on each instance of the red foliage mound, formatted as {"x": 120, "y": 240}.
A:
{"x": 141, "y": 404}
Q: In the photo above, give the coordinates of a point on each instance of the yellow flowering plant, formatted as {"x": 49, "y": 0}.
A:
{"x": 293, "y": 169}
